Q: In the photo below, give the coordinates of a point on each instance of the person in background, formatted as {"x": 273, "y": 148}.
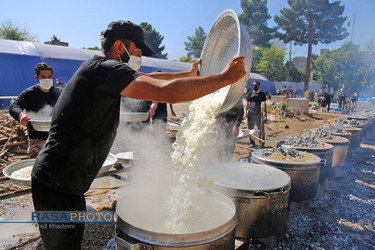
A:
{"x": 322, "y": 103}
{"x": 341, "y": 100}
{"x": 252, "y": 109}
{"x": 307, "y": 94}
{"x": 34, "y": 99}
{"x": 86, "y": 117}
{"x": 329, "y": 98}
{"x": 59, "y": 83}
{"x": 354, "y": 101}
{"x": 316, "y": 96}
{"x": 159, "y": 119}
{"x": 228, "y": 124}
{"x": 160, "y": 113}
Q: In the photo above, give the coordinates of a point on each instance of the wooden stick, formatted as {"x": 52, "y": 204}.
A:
{"x": 12, "y": 144}
{"x": 256, "y": 137}
{"x": 14, "y": 194}
{"x": 96, "y": 193}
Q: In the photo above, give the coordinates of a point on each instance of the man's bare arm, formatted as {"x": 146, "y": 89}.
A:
{"x": 184, "y": 89}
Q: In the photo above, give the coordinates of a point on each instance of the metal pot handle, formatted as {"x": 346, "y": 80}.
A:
{"x": 129, "y": 246}
{"x": 322, "y": 163}
{"x": 263, "y": 196}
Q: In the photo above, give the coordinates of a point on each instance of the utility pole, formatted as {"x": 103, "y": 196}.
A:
{"x": 289, "y": 62}
{"x": 352, "y": 34}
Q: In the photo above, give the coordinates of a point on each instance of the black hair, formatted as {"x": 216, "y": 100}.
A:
{"x": 257, "y": 82}
{"x": 107, "y": 43}
{"x": 42, "y": 66}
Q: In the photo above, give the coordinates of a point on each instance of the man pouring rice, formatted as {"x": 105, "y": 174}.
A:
{"x": 86, "y": 116}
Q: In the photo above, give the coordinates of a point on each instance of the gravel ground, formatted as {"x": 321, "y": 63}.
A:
{"x": 341, "y": 218}
{"x": 344, "y": 216}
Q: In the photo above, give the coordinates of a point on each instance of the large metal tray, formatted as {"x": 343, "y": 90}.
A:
{"x": 134, "y": 116}
{"x": 226, "y": 39}
{"x": 8, "y": 170}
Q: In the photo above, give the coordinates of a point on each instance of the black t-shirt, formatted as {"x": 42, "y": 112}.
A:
{"x": 255, "y": 100}
{"x": 161, "y": 112}
{"x": 234, "y": 115}
{"x": 84, "y": 123}
{"x": 33, "y": 100}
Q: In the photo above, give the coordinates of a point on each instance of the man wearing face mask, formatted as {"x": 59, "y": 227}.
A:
{"x": 33, "y": 99}
{"x": 252, "y": 111}
{"x": 86, "y": 117}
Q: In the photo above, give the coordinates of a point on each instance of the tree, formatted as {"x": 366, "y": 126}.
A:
{"x": 342, "y": 68}
{"x": 92, "y": 48}
{"x": 254, "y": 18}
{"x": 257, "y": 56}
{"x": 195, "y": 44}
{"x": 271, "y": 65}
{"x": 12, "y": 31}
{"x": 294, "y": 74}
{"x": 153, "y": 39}
{"x": 55, "y": 38}
{"x": 186, "y": 59}
{"x": 312, "y": 21}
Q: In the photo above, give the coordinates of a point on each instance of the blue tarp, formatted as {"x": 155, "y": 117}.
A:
{"x": 265, "y": 83}
{"x": 18, "y": 60}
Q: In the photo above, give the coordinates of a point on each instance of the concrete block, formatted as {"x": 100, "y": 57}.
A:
{"x": 278, "y": 98}
{"x": 300, "y": 104}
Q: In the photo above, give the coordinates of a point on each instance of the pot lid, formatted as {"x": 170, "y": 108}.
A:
{"x": 247, "y": 176}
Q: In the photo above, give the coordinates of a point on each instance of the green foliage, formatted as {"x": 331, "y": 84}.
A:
{"x": 195, "y": 44}
{"x": 12, "y": 31}
{"x": 254, "y": 18}
{"x": 153, "y": 39}
{"x": 294, "y": 74}
{"x": 92, "y": 48}
{"x": 186, "y": 59}
{"x": 282, "y": 106}
{"x": 342, "y": 68}
{"x": 312, "y": 21}
{"x": 257, "y": 56}
{"x": 271, "y": 64}
{"x": 369, "y": 60}
{"x": 55, "y": 38}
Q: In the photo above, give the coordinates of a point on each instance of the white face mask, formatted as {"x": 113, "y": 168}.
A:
{"x": 134, "y": 61}
{"x": 46, "y": 83}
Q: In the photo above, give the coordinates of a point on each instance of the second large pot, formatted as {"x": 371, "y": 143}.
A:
{"x": 261, "y": 195}
{"x": 304, "y": 175}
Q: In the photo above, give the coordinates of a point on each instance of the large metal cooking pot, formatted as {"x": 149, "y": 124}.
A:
{"x": 340, "y": 150}
{"x": 140, "y": 221}
{"x": 356, "y": 136}
{"x": 261, "y": 195}
{"x": 325, "y": 153}
{"x": 226, "y": 39}
{"x": 304, "y": 175}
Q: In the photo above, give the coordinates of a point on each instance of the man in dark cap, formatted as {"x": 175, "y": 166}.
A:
{"x": 86, "y": 116}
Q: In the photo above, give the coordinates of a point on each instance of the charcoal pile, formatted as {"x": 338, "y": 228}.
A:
{"x": 302, "y": 141}
{"x": 281, "y": 151}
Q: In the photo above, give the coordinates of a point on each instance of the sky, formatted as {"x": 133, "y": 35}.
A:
{"x": 80, "y": 22}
